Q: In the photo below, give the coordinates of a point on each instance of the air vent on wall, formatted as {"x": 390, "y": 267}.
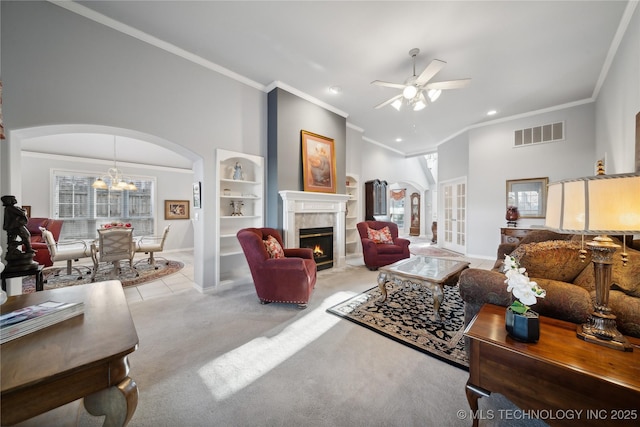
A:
{"x": 539, "y": 134}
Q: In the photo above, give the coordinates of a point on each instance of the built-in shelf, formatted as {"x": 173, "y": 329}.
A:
{"x": 353, "y": 214}
{"x": 247, "y": 188}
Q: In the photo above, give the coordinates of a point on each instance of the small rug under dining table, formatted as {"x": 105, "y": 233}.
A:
{"x": 406, "y": 317}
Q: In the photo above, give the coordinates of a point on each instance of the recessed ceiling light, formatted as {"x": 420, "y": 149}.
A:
{"x": 492, "y": 112}
{"x": 335, "y": 90}
{"x": 398, "y": 139}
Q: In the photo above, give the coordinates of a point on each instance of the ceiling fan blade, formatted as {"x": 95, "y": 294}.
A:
{"x": 387, "y": 84}
{"x": 431, "y": 70}
{"x": 387, "y": 102}
{"x": 451, "y": 84}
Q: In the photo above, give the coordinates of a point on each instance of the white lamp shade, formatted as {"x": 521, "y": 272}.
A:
{"x": 603, "y": 204}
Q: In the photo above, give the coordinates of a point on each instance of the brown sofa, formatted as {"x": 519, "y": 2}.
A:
{"x": 552, "y": 261}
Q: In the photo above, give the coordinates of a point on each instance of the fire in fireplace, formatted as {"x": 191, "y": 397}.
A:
{"x": 320, "y": 240}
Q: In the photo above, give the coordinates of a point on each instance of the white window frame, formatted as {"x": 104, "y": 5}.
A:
{"x": 93, "y": 220}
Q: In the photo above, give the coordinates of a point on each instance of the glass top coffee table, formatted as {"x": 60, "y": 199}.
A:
{"x": 432, "y": 273}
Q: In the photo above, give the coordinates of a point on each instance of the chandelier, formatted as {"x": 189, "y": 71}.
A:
{"x": 116, "y": 179}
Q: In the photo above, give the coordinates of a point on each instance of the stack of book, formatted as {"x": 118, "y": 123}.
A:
{"x": 35, "y": 317}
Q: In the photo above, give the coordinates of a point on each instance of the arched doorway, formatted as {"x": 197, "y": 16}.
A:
{"x": 141, "y": 148}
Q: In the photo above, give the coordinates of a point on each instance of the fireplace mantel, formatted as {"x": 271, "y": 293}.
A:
{"x": 308, "y": 202}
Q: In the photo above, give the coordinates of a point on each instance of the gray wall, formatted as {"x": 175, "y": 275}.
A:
{"x": 493, "y": 160}
{"x": 288, "y": 115}
{"x": 61, "y": 68}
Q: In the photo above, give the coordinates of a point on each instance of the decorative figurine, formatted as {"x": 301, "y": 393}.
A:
{"x": 15, "y": 224}
{"x": 237, "y": 208}
{"x": 237, "y": 171}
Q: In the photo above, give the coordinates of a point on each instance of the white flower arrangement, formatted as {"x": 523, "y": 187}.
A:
{"x": 519, "y": 284}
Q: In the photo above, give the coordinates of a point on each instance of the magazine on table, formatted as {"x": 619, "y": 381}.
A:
{"x": 35, "y": 317}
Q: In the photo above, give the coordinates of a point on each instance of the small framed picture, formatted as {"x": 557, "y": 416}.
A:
{"x": 27, "y": 210}
{"x": 176, "y": 209}
{"x": 196, "y": 195}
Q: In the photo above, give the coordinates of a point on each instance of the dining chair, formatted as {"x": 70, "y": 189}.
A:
{"x": 150, "y": 245}
{"x": 114, "y": 246}
{"x": 68, "y": 251}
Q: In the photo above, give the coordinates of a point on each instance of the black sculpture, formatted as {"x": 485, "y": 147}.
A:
{"x": 15, "y": 224}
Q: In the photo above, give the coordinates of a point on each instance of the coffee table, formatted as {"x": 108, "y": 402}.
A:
{"x": 85, "y": 356}
{"x": 432, "y": 273}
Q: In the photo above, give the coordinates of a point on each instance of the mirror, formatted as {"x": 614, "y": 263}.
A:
{"x": 529, "y": 196}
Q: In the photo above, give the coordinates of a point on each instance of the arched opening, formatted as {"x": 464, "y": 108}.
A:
{"x": 72, "y": 143}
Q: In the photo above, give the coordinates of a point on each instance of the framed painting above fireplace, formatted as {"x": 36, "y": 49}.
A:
{"x": 318, "y": 163}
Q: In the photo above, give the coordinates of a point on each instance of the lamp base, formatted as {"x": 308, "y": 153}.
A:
{"x": 589, "y": 333}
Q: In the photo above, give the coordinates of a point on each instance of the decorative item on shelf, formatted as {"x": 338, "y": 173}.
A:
{"x": 601, "y": 205}
{"x": 512, "y": 216}
{"x": 237, "y": 171}
{"x": 236, "y": 206}
{"x": 522, "y": 323}
{"x": 226, "y": 192}
{"x": 117, "y": 181}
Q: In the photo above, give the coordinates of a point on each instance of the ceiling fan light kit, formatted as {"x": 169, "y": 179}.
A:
{"x": 414, "y": 87}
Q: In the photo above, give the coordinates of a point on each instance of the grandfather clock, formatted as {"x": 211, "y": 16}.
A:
{"x": 414, "y": 228}
{"x": 375, "y": 199}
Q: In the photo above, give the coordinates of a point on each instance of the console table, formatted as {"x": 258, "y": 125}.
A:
{"x": 559, "y": 375}
{"x": 85, "y": 356}
{"x": 513, "y": 234}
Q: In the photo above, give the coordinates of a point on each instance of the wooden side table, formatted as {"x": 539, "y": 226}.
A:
{"x": 35, "y": 271}
{"x": 83, "y": 357}
{"x": 561, "y": 379}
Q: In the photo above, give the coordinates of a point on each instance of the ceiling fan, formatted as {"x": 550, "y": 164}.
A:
{"x": 413, "y": 89}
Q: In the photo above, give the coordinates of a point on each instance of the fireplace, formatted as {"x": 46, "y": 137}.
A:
{"x": 320, "y": 240}
{"x": 307, "y": 209}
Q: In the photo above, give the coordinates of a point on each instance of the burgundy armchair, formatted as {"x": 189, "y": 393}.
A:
{"x": 42, "y": 255}
{"x": 289, "y": 279}
{"x": 380, "y": 254}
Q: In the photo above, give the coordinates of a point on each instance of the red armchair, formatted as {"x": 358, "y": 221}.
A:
{"x": 377, "y": 253}
{"x": 42, "y": 255}
{"x": 289, "y": 279}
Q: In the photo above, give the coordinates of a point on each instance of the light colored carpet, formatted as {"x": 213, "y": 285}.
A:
{"x": 222, "y": 359}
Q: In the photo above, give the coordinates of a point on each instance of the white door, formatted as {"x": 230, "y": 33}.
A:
{"x": 454, "y": 215}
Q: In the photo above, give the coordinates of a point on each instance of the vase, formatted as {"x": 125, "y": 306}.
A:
{"x": 523, "y": 327}
{"x": 512, "y": 216}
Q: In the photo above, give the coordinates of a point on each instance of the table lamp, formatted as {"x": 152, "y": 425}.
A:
{"x": 598, "y": 205}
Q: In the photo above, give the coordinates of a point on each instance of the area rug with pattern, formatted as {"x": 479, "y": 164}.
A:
{"x": 146, "y": 273}
{"x": 406, "y": 317}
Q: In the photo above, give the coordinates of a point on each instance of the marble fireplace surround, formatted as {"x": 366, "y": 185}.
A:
{"x": 306, "y": 209}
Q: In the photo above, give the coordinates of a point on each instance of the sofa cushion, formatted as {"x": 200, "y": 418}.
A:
{"x": 553, "y": 259}
{"x": 623, "y": 278}
{"x": 380, "y": 236}
{"x": 273, "y": 247}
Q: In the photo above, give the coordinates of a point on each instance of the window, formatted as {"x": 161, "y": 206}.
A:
{"x": 84, "y": 209}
